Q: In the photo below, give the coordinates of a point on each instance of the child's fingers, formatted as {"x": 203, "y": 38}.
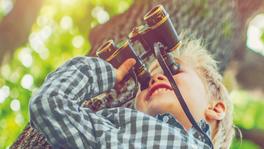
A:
{"x": 124, "y": 68}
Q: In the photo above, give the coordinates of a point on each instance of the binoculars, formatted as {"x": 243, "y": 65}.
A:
{"x": 158, "y": 37}
{"x": 158, "y": 28}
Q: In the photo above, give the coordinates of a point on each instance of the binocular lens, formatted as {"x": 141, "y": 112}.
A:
{"x": 116, "y": 55}
{"x": 106, "y": 50}
{"x": 161, "y": 29}
{"x": 156, "y": 15}
{"x": 158, "y": 28}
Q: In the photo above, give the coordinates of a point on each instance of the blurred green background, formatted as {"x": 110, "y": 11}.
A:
{"x": 60, "y": 33}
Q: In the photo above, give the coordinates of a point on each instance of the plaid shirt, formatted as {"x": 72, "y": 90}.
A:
{"x": 57, "y": 111}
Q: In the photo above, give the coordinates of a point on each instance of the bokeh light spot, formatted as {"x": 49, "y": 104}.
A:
{"x": 44, "y": 53}
{"x": 254, "y": 33}
{"x": 42, "y": 21}
{"x": 27, "y": 81}
{"x": 6, "y": 6}
{"x": 66, "y": 22}
{"x": 4, "y": 93}
{"x": 15, "y": 105}
{"x": 25, "y": 57}
{"x": 45, "y": 32}
{"x": 19, "y": 119}
{"x": 36, "y": 42}
{"x": 100, "y": 14}
{"x": 78, "y": 41}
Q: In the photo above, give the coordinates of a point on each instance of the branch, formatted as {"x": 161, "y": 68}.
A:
{"x": 250, "y": 71}
{"x": 16, "y": 26}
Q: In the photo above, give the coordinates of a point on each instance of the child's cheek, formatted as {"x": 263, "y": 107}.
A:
{"x": 140, "y": 103}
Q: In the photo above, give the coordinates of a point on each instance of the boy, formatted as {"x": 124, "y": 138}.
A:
{"x": 157, "y": 122}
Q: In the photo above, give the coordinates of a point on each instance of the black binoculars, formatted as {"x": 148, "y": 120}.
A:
{"x": 158, "y": 29}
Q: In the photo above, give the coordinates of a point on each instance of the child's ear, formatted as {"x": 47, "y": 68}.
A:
{"x": 215, "y": 111}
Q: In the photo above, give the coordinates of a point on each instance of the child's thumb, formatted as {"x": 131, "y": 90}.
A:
{"x": 124, "y": 68}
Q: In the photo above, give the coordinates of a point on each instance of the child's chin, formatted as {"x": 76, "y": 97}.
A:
{"x": 161, "y": 106}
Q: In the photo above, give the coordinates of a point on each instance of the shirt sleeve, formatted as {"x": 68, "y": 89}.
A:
{"x": 56, "y": 109}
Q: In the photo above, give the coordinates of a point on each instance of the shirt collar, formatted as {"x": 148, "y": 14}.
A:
{"x": 170, "y": 119}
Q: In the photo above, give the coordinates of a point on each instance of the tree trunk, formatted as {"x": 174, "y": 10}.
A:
{"x": 252, "y": 65}
{"x": 254, "y": 135}
{"x": 221, "y": 24}
{"x": 16, "y": 26}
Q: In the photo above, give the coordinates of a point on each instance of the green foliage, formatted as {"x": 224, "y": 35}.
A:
{"x": 60, "y": 33}
{"x": 262, "y": 36}
{"x": 243, "y": 144}
{"x": 248, "y": 114}
{"x": 248, "y": 110}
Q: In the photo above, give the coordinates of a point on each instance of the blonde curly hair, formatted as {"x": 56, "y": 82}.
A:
{"x": 194, "y": 52}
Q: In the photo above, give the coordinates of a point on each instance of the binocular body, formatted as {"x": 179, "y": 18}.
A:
{"x": 158, "y": 29}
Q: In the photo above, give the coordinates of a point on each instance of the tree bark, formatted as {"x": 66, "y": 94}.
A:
{"x": 16, "y": 26}
{"x": 221, "y": 24}
{"x": 250, "y": 71}
{"x": 254, "y": 135}
{"x": 248, "y": 67}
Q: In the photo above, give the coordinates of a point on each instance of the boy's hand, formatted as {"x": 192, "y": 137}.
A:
{"x": 123, "y": 69}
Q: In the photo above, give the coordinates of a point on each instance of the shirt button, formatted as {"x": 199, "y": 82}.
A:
{"x": 165, "y": 119}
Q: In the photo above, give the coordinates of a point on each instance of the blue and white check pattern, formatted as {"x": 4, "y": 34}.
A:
{"x": 56, "y": 112}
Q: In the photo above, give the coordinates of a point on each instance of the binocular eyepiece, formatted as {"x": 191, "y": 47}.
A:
{"x": 158, "y": 29}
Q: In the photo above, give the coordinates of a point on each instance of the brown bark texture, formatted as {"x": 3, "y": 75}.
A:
{"x": 16, "y": 26}
{"x": 249, "y": 72}
{"x": 255, "y": 135}
{"x": 220, "y": 24}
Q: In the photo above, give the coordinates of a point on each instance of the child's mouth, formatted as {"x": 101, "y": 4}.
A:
{"x": 158, "y": 88}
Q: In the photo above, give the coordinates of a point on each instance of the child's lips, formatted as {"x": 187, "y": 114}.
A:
{"x": 158, "y": 87}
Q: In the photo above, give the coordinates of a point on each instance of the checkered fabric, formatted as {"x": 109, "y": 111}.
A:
{"x": 56, "y": 111}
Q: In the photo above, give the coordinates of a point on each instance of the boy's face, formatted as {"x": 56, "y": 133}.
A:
{"x": 159, "y": 98}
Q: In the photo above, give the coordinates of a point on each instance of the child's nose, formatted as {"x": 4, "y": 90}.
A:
{"x": 157, "y": 78}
